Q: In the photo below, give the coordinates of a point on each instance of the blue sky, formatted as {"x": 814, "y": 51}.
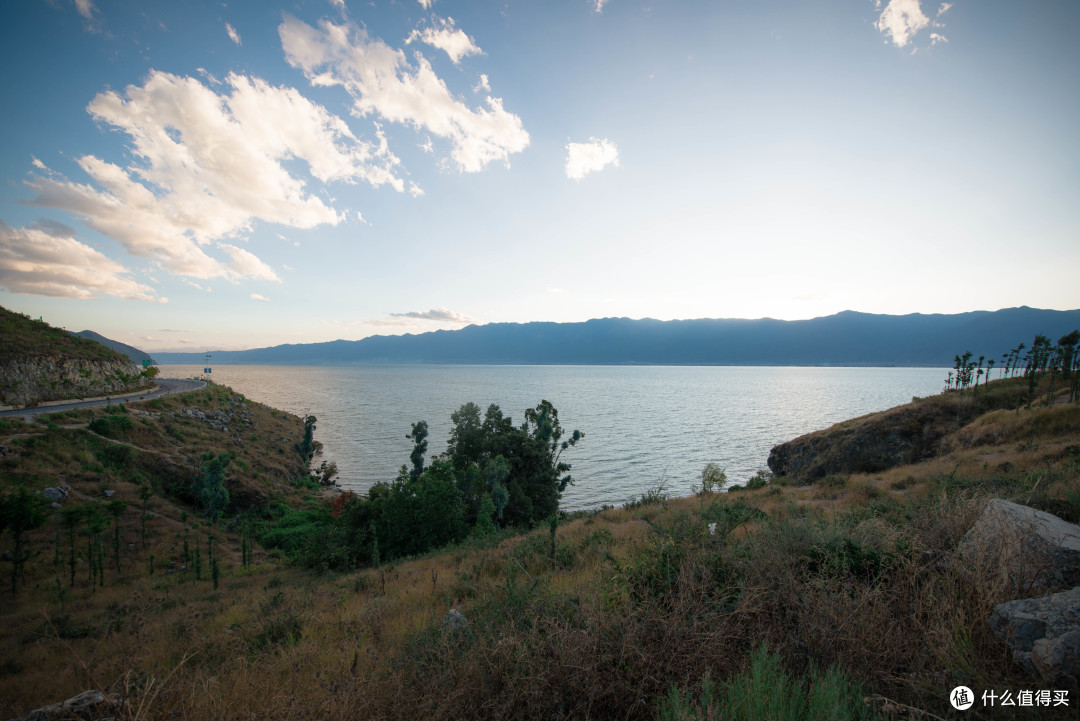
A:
{"x": 207, "y": 175}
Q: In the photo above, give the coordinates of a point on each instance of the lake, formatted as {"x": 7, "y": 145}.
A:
{"x": 642, "y": 424}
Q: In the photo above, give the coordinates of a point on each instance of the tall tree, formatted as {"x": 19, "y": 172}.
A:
{"x": 70, "y": 517}
{"x": 116, "y": 509}
{"x": 1068, "y": 343}
{"x": 418, "y": 436}
{"x": 20, "y": 512}
{"x": 209, "y": 484}
{"x": 145, "y": 492}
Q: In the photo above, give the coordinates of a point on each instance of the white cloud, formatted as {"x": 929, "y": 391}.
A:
{"x": 415, "y": 190}
{"x": 233, "y": 35}
{"x": 585, "y": 158}
{"x": 86, "y": 8}
{"x": 483, "y": 84}
{"x": 944, "y": 9}
{"x": 453, "y": 41}
{"x": 427, "y": 3}
{"x": 245, "y": 264}
{"x": 46, "y": 259}
{"x": 382, "y": 81}
{"x": 260, "y": 298}
{"x": 438, "y": 314}
{"x": 37, "y": 163}
{"x": 339, "y": 3}
{"x": 901, "y": 20}
{"x": 208, "y": 165}
{"x": 600, "y": 5}
{"x": 936, "y": 38}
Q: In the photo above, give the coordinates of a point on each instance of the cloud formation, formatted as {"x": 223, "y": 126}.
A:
{"x": 207, "y": 166}
{"x": 585, "y": 158}
{"x": 439, "y": 314}
{"x": 383, "y": 82}
{"x": 260, "y": 298}
{"x": 86, "y": 8}
{"x": 233, "y": 35}
{"x": 46, "y": 259}
{"x": 451, "y": 40}
{"x": 901, "y": 20}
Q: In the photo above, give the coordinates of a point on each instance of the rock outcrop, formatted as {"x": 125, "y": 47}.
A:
{"x": 863, "y": 445}
{"x": 33, "y": 380}
{"x": 1025, "y": 550}
{"x": 1043, "y": 634}
{"x": 1020, "y": 551}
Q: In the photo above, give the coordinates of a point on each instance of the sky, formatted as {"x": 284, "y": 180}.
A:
{"x": 206, "y": 175}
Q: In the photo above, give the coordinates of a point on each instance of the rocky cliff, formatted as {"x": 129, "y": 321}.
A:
{"x": 906, "y": 434}
{"x": 29, "y": 381}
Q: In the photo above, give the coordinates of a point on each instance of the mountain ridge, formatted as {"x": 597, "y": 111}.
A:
{"x": 848, "y": 338}
{"x": 136, "y": 355}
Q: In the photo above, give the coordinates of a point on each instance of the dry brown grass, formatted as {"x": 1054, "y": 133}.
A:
{"x": 634, "y": 601}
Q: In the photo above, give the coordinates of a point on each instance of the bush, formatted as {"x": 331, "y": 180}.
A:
{"x": 766, "y": 691}
{"x": 111, "y": 425}
{"x": 760, "y": 479}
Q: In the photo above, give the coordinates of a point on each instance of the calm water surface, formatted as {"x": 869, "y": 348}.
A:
{"x": 641, "y": 424}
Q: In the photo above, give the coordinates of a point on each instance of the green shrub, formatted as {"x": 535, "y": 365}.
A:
{"x": 767, "y": 692}
{"x": 111, "y": 425}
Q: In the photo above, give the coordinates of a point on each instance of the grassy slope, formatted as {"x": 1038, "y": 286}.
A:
{"x": 636, "y": 601}
{"x": 24, "y": 337}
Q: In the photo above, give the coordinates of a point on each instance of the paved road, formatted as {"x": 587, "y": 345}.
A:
{"x": 165, "y": 387}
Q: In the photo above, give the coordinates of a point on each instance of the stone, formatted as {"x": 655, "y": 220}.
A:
{"x": 1025, "y": 550}
{"x": 89, "y": 705}
{"x": 454, "y": 620}
{"x": 1043, "y": 634}
{"x": 57, "y": 494}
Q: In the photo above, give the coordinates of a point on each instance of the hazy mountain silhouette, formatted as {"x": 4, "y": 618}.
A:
{"x": 847, "y": 338}
{"x": 137, "y": 356}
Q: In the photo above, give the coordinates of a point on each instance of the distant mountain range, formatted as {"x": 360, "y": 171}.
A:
{"x": 845, "y": 339}
{"x": 137, "y": 356}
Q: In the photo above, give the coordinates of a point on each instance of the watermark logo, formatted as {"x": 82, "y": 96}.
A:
{"x": 961, "y": 698}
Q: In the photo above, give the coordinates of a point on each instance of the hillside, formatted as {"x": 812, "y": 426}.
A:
{"x": 136, "y": 355}
{"x": 848, "y": 338}
{"x": 847, "y": 589}
{"x": 41, "y": 363}
{"x": 24, "y": 337}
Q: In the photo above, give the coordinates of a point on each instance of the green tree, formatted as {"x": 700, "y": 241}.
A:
{"x": 20, "y": 512}
{"x": 70, "y": 517}
{"x": 417, "y": 516}
{"x": 713, "y": 478}
{"x": 96, "y": 523}
{"x": 306, "y": 447}
{"x": 209, "y": 485}
{"x": 418, "y": 436}
{"x": 466, "y": 444}
{"x": 145, "y": 492}
{"x": 1068, "y": 343}
{"x": 116, "y": 509}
